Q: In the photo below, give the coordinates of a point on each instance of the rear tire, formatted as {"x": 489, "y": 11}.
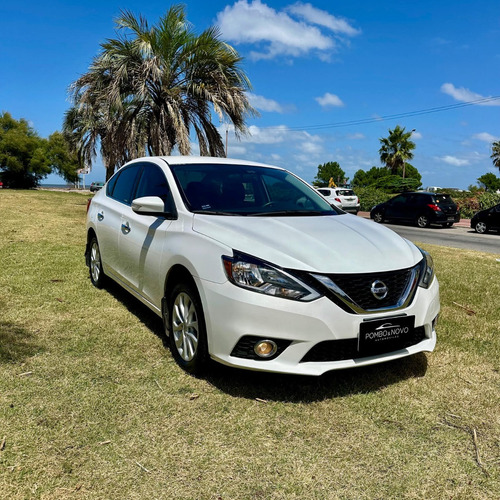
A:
{"x": 422, "y": 221}
{"x": 187, "y": 330}
{"x": 481, "y": 227}
{"x": 97, "y": 276}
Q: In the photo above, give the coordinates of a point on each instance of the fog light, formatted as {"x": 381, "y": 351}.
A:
{"x": 265, "y": 348}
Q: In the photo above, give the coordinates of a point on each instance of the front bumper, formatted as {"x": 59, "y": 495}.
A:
{"x": 233, "y": 314}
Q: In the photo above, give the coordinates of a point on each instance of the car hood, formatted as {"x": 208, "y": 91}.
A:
{"x": 324, "y": 244}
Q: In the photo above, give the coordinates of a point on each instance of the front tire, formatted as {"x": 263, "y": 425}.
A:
{"x": 187, "y": 332}
{"x": 422, "y": 221}
{"x": 481, "y": 227}
{"x": 378, "y": 217}
{"x": 97, "y": 276}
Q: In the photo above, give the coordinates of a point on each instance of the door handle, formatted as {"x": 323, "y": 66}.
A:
{"x": 100, "y": 216}
{"x": 126, "y": 228}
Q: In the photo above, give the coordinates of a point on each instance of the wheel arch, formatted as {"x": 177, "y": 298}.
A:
{"x": 90, "y": 234}
{"x": 177, "y": 274}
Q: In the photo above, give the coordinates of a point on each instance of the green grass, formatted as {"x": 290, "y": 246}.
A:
{"x": 93, "y": 406}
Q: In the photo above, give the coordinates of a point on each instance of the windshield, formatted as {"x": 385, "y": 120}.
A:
{"x": 247, "y": 190}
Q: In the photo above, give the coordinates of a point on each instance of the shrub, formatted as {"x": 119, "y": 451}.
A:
{"x": 471, "y": 204}
{"x": 370, "y": 196}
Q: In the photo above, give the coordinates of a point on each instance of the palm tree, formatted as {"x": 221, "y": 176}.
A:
{"x": 495, "y": 154}
{"x": 396, "y": 149}
{"x": 150, "y": 86}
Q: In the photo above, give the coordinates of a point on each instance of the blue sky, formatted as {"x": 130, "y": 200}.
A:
{"x": 324, "y": 75}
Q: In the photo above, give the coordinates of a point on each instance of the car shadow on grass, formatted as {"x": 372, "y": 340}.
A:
{"x": 286, "y": 388}
{"x": 305, "y": 389}
{"x": 16, "y": 343}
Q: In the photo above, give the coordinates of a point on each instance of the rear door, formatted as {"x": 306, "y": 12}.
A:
{"x": 109, "y": 209}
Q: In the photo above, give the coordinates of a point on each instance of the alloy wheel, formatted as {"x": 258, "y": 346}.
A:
{"x": 185, "y": 327}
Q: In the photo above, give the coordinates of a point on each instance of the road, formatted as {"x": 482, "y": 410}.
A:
{"x": 455, "y": 237}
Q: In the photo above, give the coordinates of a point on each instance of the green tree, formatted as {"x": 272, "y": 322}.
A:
{"x": 151, "y": 85}
{"x": 368, "y": 178}
{"x": 495, "y": 153}
{"x": 26, "y": 158}
{"x": 379, "y": 177}
{"x": 327, "y": 171}
{"x": 489, "y": 181}
{"x": 396, "y": 149}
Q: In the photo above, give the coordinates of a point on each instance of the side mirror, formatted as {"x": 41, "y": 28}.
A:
{"x": 151, "y": 205}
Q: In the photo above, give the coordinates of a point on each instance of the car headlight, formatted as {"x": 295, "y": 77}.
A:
{"x": 262, "y": 277}
{"x": 427, "y": 273}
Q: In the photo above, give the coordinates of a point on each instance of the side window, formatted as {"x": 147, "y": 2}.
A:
{"x": 399, "y": 199}
{"x": 111, "y": 184}
{"x": 154, "y": 183}
{"x": 125, "y": 184}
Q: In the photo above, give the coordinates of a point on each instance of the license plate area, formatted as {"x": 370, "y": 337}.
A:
{"x": 385, "y": 335}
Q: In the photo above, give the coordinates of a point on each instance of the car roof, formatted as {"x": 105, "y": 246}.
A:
{"x": 209, "y": 160}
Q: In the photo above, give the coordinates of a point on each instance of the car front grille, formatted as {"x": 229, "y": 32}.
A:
{"x": 358, "y": 287}
{"x": 343, "y": 349}
{"x": 354, "y": 292}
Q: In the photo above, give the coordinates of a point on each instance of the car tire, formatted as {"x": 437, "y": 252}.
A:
{"x": 448, "y": 224}
{"x": 378, "y": 217}
{"x": 187, "y": 330}
{"x": 481, "y": 227}
{"x": 422, "y": 221}
{"x": 97, "y": 276}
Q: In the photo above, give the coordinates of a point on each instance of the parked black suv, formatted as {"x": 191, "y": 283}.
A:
{"x": 487, "y": 219}
{"x": 421, "y": 208}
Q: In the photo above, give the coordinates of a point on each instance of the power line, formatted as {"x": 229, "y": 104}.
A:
{"x": 394, "y": 116}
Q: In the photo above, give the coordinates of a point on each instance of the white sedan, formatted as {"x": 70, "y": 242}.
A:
{"x": 249, "y": 266}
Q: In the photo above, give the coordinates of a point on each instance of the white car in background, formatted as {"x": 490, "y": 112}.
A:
{"x": 344, "y": 198}
{"x": 249, "y": 266}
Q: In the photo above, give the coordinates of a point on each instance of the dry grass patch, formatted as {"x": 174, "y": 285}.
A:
{"x": 93, "y": 406}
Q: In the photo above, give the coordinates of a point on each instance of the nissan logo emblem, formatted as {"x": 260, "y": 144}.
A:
{"x": 379, "y": 290}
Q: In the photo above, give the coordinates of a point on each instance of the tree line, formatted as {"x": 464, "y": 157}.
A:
{"x": 396, "y": 173}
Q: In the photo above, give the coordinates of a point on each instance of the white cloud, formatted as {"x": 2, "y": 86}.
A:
{"x": 311, "y": 148}
{"x": 323, "y": 18}
{"x": 264, "y": 104}
{"x": 453, "y": 160}
{"x": 329, "y": 100}
{"x": 484, "y": 136}
{"x": 278, "y": 32}
{"x": 465, "y": 95}
{"x": 236, "y": 151}
{"x": 416, "y": 135}
{"x": 357, "y": 136}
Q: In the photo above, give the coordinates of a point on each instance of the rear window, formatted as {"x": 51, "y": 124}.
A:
{"x": 442, "y": 199}
{"x": 345, "y": 192}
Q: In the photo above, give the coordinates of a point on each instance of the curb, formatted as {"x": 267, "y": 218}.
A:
{"x": 461, "y": 223}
